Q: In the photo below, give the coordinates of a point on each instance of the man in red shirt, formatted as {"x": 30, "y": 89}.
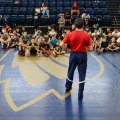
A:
{"x": 79, "y": 41}
{"x": 75, "y": 9}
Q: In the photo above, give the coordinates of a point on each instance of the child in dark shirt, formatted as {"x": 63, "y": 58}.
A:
{"x": 32, "y": 48}
{"x": 112, "y": 46}
{"x": 25, "y": 38}
{"x": 109, "y": 37}
{"x": 98, "y": 43}
{"x": 14, "y": 41}
{"x": 46, "y": 47}
{"x": 21, "y": 47}
{"x": 40, "y": 42}
{"x": 103, "y": 46}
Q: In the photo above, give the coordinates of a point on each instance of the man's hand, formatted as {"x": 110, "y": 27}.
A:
{"x": 90, "y": 48}
{"x": 61, "y": 44}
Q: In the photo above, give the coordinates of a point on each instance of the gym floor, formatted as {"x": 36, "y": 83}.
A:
{"x": 33, "y": 88}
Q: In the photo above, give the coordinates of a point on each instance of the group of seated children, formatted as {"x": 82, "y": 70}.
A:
{"x": 36, "y": 44}
{"x": 49, "y": 43}
{"x": 105, "y": 41}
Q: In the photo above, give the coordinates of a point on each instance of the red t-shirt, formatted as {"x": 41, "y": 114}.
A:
{"x": 78, "y": 40}
{"x": 75, "y": 7}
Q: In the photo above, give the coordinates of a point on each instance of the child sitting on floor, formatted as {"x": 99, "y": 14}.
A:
{"x": 5, "y": 39}
{"x": 46, "y": 47}
{"x": 97, "y": 44}
{"x": 32, "y": 48}
{"x": 52, "y": 32}
{"x": 112, "y": 46}
{"x": 95, "y": 35}
{"x": 103, "y": 46}
{"x": 54, "y": 44}
{"x": 21, "y": 47}
{"x": 14, "y": 41}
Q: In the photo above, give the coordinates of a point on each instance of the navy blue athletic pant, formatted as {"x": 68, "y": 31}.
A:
{"x": 79, "y": 60}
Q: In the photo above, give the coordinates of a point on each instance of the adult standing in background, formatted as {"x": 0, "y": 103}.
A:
{"x": 75, "y": 9}
{"x": 61, "y": 22}
{"x": 86, "y": 17}
{"x": 79, "y": 42}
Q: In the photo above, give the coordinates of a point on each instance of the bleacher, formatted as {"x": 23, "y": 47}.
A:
{"x": 22, "y": 11}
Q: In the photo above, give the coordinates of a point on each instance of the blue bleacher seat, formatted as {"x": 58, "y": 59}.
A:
{"x": 53, "y": 11}
{"x": 6, "y": 17}
{"x": 67, "y": 4}
{"x": 96, "y": 11}
{"x": 38, "y": 4}
{"x": 23, "y": 0}
{"x": 30, "y": 11}
{"x": 9, "y": 3}
{"x": 72, "y": 2}
{"x": 52, "y": 1}
{"x": 59, "y": 10}
{"x": 92, "y": 18}
{"x": 52, "y": 19}
{"x": 13, "y": 18}
{"x": 104, "y": 11}
{"x": 1, "y": 19}
{"x": 38, "y": 0}
{"x": 2, "y": 3}
{"x": 22, "y": 10}
{"x": 9, "y": 0}
{"x": 102, "y": 4}
{"x": 44, "y": 21}
{"x": 31, "y": 0}
{"x": 75, "y": 16}
{"x": 47, "y": 4}
{"x": 67, "y": 8}
{"x": 15, "y": 10}
{"x": 67, "y": 12}
{"x": 82, "y": 9}
{"x": 52, "y": 4}
{"x": 31, "y": 4}
{"x": 21, "y": 19}
{"x": 106, "y": 20}
{"x": 29, "y": 19}
{"x": 23, "y": 4}
{"x": 88, "y": 4}
{"x": 7, "y": 11}
{"x": 81, "y": 3}
{"x": 90, "y": 11}
{"x": 102, "y": 0}
{"x": 1, "y": 10}
{"x": 59, "y": 4}
{"x": 46, "y": 0}
{"x": 67, "y": 1}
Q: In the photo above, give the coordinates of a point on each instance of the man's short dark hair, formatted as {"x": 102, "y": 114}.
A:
{"x": 79, "y": 23}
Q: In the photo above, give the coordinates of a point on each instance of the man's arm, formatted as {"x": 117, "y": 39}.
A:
{"x": 62, "y": 44}
{"x": 90, "y": 48}
{"x": 89, "y": 44}
{"x": 65, "y": 40}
